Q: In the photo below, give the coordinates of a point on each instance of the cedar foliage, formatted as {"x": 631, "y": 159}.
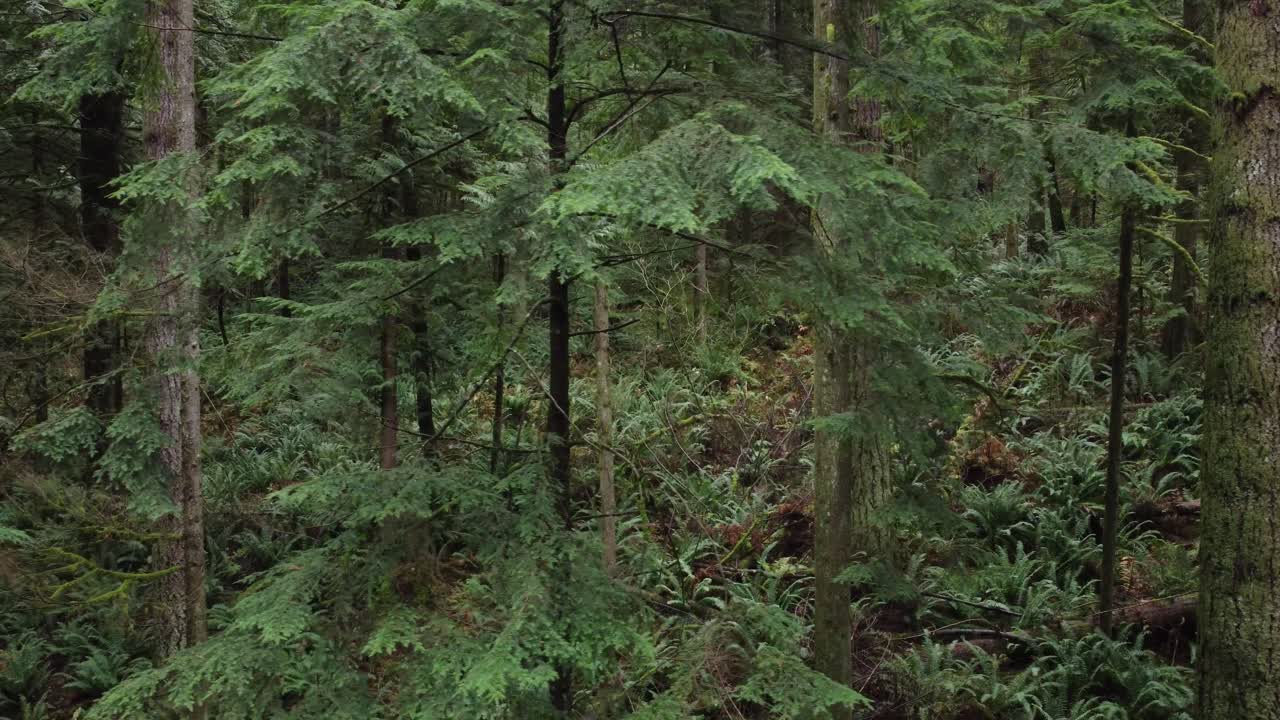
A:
{"x": 360, "y": 160}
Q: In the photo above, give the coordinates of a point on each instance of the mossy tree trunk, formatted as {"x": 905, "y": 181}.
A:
{"x": 1240, "y": 548}
{"x": 1115, "y": 418}
{"x": 604, "y": 416}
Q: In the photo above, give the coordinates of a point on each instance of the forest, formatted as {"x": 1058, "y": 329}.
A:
{"x": 640, "y": 359}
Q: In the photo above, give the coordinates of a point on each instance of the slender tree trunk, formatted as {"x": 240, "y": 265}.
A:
{"x": 604, "y": 415}
{"x": 1239, "y": 620}
{"x": 1181, "y": 329}
{"x": 1057, "y": 219}
{"x": 558, "y": 419}
{"x": 101, "y": 138}
{"x": 174, "y": 342}
{"x": 1037, "y": 236}
{"x": 423, "y": 366}
{"x": 282, "y": 285}
{"x": 1115, "y": 422}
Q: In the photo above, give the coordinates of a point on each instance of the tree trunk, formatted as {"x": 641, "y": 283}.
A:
{"x": 850, "y": 473}
{"x": 1115, "y": 421}
{"x": 1240, "y": 574}
{"x": 101, "y": 138}
{"x": 499, "y": 376}
{"x": 558, "y": 419}
{"x": 604, "y": 416}
{"x": 173, "y": 340}
{"x": 422, "y": 364}
{"x": 1057, "y": 219}
{"x": 282, "y": 285}
{"x": 1037, "y": 237}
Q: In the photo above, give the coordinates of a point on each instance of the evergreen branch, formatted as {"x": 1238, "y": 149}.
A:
{"x": 434, "y": 153}
{"x": 977, "y": 384}
{"x": 1176, "y": 146}
{"x": 980, "y": 606}
{"x": 752, "y": 32}
{"x": 414, "y": 284}
{"x": 609, "y": 329}
{"x": 475, "y": 389}
{"x": 611, "y": 260}
{"x": 1177, "y": 247}
{"x": 1178, "y": 27}
{"x": 622, "y": 117}
{"x": 608, "y": 129}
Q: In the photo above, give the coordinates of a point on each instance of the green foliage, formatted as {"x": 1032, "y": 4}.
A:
{"x": 390, "y": 157}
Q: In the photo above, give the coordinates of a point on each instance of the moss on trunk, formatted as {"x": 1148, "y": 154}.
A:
{"x": 1240, "y": 554}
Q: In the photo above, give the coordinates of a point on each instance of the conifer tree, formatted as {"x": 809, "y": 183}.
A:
{"x": 169, "y": 135}
{"x": 1239, "y": 638}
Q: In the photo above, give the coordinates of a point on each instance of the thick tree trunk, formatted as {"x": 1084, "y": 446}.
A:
{"x": 604, "y": 416}
{"x": 174, "y": 343}
{"x": 1115, "y": 422}
{"x": 1240, "y": 547}
{"x": 101, "y": 138}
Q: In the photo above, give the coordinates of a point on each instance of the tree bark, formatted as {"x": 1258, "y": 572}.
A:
{"x": 174, "y": 343}
{"x": 1240, "y": 546}
{"x": 1115, "y": 421}
{"x": 499, "y": 376}
{"x": 604, "y": 416}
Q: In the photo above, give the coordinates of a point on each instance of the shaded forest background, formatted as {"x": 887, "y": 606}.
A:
{"x": 514, "y": 359}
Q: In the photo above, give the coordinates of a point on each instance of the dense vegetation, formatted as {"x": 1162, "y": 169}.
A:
{"x": 588, "y": 359}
